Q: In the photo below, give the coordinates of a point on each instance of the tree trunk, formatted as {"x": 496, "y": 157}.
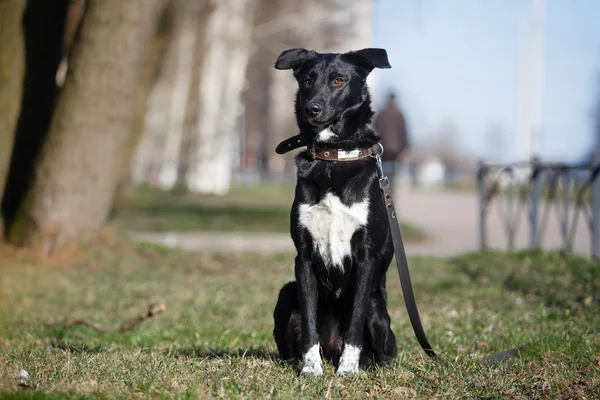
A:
{"x": 180, "y": 68}
{"x": 256, "y": 99}
{"x": 148, "y": 152}
{"x": 191, "y": 116}
{"x": 12, "y": 71}
{"x": 150, "y": 71}
{"x": 164, "y": 124}
{"x": 43, "y": 24}
{"x": 80, "y": 162}
{"x": 221, "y": 84}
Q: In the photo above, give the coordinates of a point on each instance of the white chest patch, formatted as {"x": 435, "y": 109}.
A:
{"x": 325, "y": 135}
{"x": 331, "y": 225}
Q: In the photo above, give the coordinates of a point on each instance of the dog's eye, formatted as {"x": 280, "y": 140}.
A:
{"x": 307, "y": 81}
{"x": 338, "y": 81}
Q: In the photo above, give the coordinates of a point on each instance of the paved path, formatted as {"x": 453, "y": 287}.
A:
{"x": 222, "y": 241}
{"x": 450, "y": 218}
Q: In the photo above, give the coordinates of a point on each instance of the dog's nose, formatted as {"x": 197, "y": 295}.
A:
{"x": 313, "y": 109}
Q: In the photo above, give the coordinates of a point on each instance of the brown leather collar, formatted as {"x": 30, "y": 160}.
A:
{"x": 323, "y": 153}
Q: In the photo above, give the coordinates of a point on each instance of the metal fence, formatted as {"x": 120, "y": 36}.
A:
{"x": 532, "y": 191}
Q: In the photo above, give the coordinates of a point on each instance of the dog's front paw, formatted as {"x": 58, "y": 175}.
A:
{"x": 311, "y": 362}
{"x": 311, "y": 370}
{"x": 349, "y": 361}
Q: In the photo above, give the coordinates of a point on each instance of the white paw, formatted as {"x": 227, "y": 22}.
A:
{"x": 349, "y": 360}
{"x": 312, "y": 370}
{"x": 311, "y": 362}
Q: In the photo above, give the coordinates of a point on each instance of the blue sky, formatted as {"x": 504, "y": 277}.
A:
{"x": 454, "y": 61}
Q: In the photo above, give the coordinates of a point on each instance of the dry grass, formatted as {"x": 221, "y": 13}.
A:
{"x": 215, "y": 337}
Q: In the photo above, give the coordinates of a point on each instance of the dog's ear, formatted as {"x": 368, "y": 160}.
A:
{"x": 368, "y": 58}
{"x": 294, "y": 58}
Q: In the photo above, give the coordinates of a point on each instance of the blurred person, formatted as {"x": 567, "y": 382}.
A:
{"x": 390, "y": 124}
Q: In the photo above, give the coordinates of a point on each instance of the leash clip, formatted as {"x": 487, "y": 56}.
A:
{"x": 383, "y": 180}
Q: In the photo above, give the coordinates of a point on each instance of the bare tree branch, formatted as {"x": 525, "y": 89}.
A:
{"x": 153, "y": 310}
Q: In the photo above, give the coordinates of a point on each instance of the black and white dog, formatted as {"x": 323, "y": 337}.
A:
{"x": 338, "y": 303}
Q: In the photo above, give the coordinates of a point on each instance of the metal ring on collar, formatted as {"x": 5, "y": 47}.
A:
{"x": 375, "y": 153}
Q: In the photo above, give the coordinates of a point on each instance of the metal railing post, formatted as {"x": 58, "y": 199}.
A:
{"x": 535, "y": 202}
{"x": 595, "y": 189}
{"x": 564, "y": 223}
{"x": 481, "y": 170}
{"x": 510, "y": 226}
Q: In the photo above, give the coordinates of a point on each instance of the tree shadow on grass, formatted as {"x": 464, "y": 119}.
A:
{"x": 190, "y": 217}
{"x": 202, "y": 352}
{"x": 75, "y": 349}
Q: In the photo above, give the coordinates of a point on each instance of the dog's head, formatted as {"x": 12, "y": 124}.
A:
{"x": 330, "y": 83}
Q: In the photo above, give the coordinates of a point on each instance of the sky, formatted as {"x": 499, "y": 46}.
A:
{"x": 454, "y": 62}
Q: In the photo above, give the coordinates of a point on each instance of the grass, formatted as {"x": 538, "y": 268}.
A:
{"x": 261, "y": 208}
{"x": 215, "y": 338}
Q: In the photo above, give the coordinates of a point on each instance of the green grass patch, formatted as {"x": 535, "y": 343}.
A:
{"x": 262, "y": 208}
{"x": 215, "y": 340}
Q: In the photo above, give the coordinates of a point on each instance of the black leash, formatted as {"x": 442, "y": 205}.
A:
{"x": 401, "y": 261}
{"x": 404, "y": 273}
